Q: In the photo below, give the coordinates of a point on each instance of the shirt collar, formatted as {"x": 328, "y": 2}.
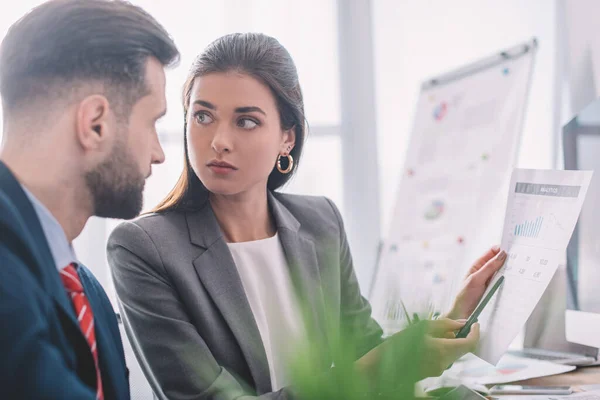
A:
{"x": 62, "y": 251}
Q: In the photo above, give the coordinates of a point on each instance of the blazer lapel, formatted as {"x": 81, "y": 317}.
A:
{"x": 111, "y": 364}
{"x": 46, "y": 272}
{"x": 303, "y": 262}
{"x": 218, "y": 273}
{"x": 42, "y": 266}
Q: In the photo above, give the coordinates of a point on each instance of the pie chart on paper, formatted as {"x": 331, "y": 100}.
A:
{"x": 434, "y": 210}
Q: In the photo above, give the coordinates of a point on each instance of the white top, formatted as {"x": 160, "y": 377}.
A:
{"x": 265, "y": 275}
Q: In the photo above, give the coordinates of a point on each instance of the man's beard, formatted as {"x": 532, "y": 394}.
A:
{"x": 116, "y": 185}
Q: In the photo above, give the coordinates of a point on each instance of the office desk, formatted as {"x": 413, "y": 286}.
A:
{"x": 581, "y": 376}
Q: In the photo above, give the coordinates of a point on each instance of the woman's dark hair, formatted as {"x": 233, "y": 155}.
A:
{"x": 265, "y": 59}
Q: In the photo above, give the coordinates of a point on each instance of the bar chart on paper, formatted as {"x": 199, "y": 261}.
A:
{"x": 529, "y": 228}
{"x": 541, "y": 213}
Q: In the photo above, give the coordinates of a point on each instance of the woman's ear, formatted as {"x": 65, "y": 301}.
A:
{"x": 289, "y": 141}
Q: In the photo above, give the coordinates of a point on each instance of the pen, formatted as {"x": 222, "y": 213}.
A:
{"x": 406, "y": 313}
{"x": 464, "y": 331}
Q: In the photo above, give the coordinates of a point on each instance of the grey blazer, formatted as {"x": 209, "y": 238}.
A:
{"x": 186, "y": 312}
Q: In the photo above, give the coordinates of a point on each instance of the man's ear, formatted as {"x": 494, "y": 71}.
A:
{"x": 92, "y": 125}
{"x": 289, "y": 141}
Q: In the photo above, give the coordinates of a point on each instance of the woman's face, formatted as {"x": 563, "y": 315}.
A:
{"x": 234, "y": 133}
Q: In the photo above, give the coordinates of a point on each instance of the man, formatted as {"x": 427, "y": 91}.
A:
{"x": 82, "y": 85}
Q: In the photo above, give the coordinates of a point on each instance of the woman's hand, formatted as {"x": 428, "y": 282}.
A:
{"x": 476, "y": 282}
{"x": 422, "y": 350}
{"x": 442, "y": 348}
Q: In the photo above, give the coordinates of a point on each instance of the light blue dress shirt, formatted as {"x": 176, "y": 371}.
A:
{"x": 62, "y": 251}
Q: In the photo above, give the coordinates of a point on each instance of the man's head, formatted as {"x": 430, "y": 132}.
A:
{"x": 93, "y": 68}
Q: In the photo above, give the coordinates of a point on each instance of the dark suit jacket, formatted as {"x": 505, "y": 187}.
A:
{"x": 188, "y": 316}
{"x": 44, "y": 354}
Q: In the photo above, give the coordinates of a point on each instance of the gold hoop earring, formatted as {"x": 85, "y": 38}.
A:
{"x": 289, "y": 167}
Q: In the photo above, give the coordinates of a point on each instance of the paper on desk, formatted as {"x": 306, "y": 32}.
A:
{"x": 580, "y": 396}
{"x": 542, "y": 210}
{"x": 471, "y": 370}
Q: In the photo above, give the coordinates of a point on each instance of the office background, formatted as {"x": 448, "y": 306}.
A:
{"x": 360, "y": 63}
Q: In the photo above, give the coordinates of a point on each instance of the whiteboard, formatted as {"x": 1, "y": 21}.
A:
{"x": 452, "y": 193}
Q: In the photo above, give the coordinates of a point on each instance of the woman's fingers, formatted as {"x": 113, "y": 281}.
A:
{"x": 485, "y": 273}
{"x": 443, "y": 326}
{"x": 459, "y": 347}
{"x": 442, "y": 352}
{"x": 481, "y": 261}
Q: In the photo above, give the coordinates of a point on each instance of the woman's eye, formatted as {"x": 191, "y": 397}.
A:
{"x": 247, "y": 123}
{"x": 203, "y": 118}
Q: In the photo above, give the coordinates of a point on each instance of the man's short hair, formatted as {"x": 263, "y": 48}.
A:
{"x": 62, "y": 45}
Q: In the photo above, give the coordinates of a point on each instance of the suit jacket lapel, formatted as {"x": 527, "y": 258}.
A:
{"x": 302, "y": 260}
{"x": 218, "y": 273}
{"x": 111, "y": 364}
{"x": 46, "y": 272}
{"x": 42, "y": 265}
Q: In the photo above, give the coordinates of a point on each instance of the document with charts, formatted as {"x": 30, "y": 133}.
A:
{"x": 542, "y": 210}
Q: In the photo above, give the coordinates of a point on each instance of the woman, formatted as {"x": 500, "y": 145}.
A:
{"x": 207, "y": 282}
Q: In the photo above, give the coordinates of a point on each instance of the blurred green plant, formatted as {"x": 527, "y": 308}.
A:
{"x": 387, "y": 374}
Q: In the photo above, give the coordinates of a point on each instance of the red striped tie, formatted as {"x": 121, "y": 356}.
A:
{"x": 84, "y": 313}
